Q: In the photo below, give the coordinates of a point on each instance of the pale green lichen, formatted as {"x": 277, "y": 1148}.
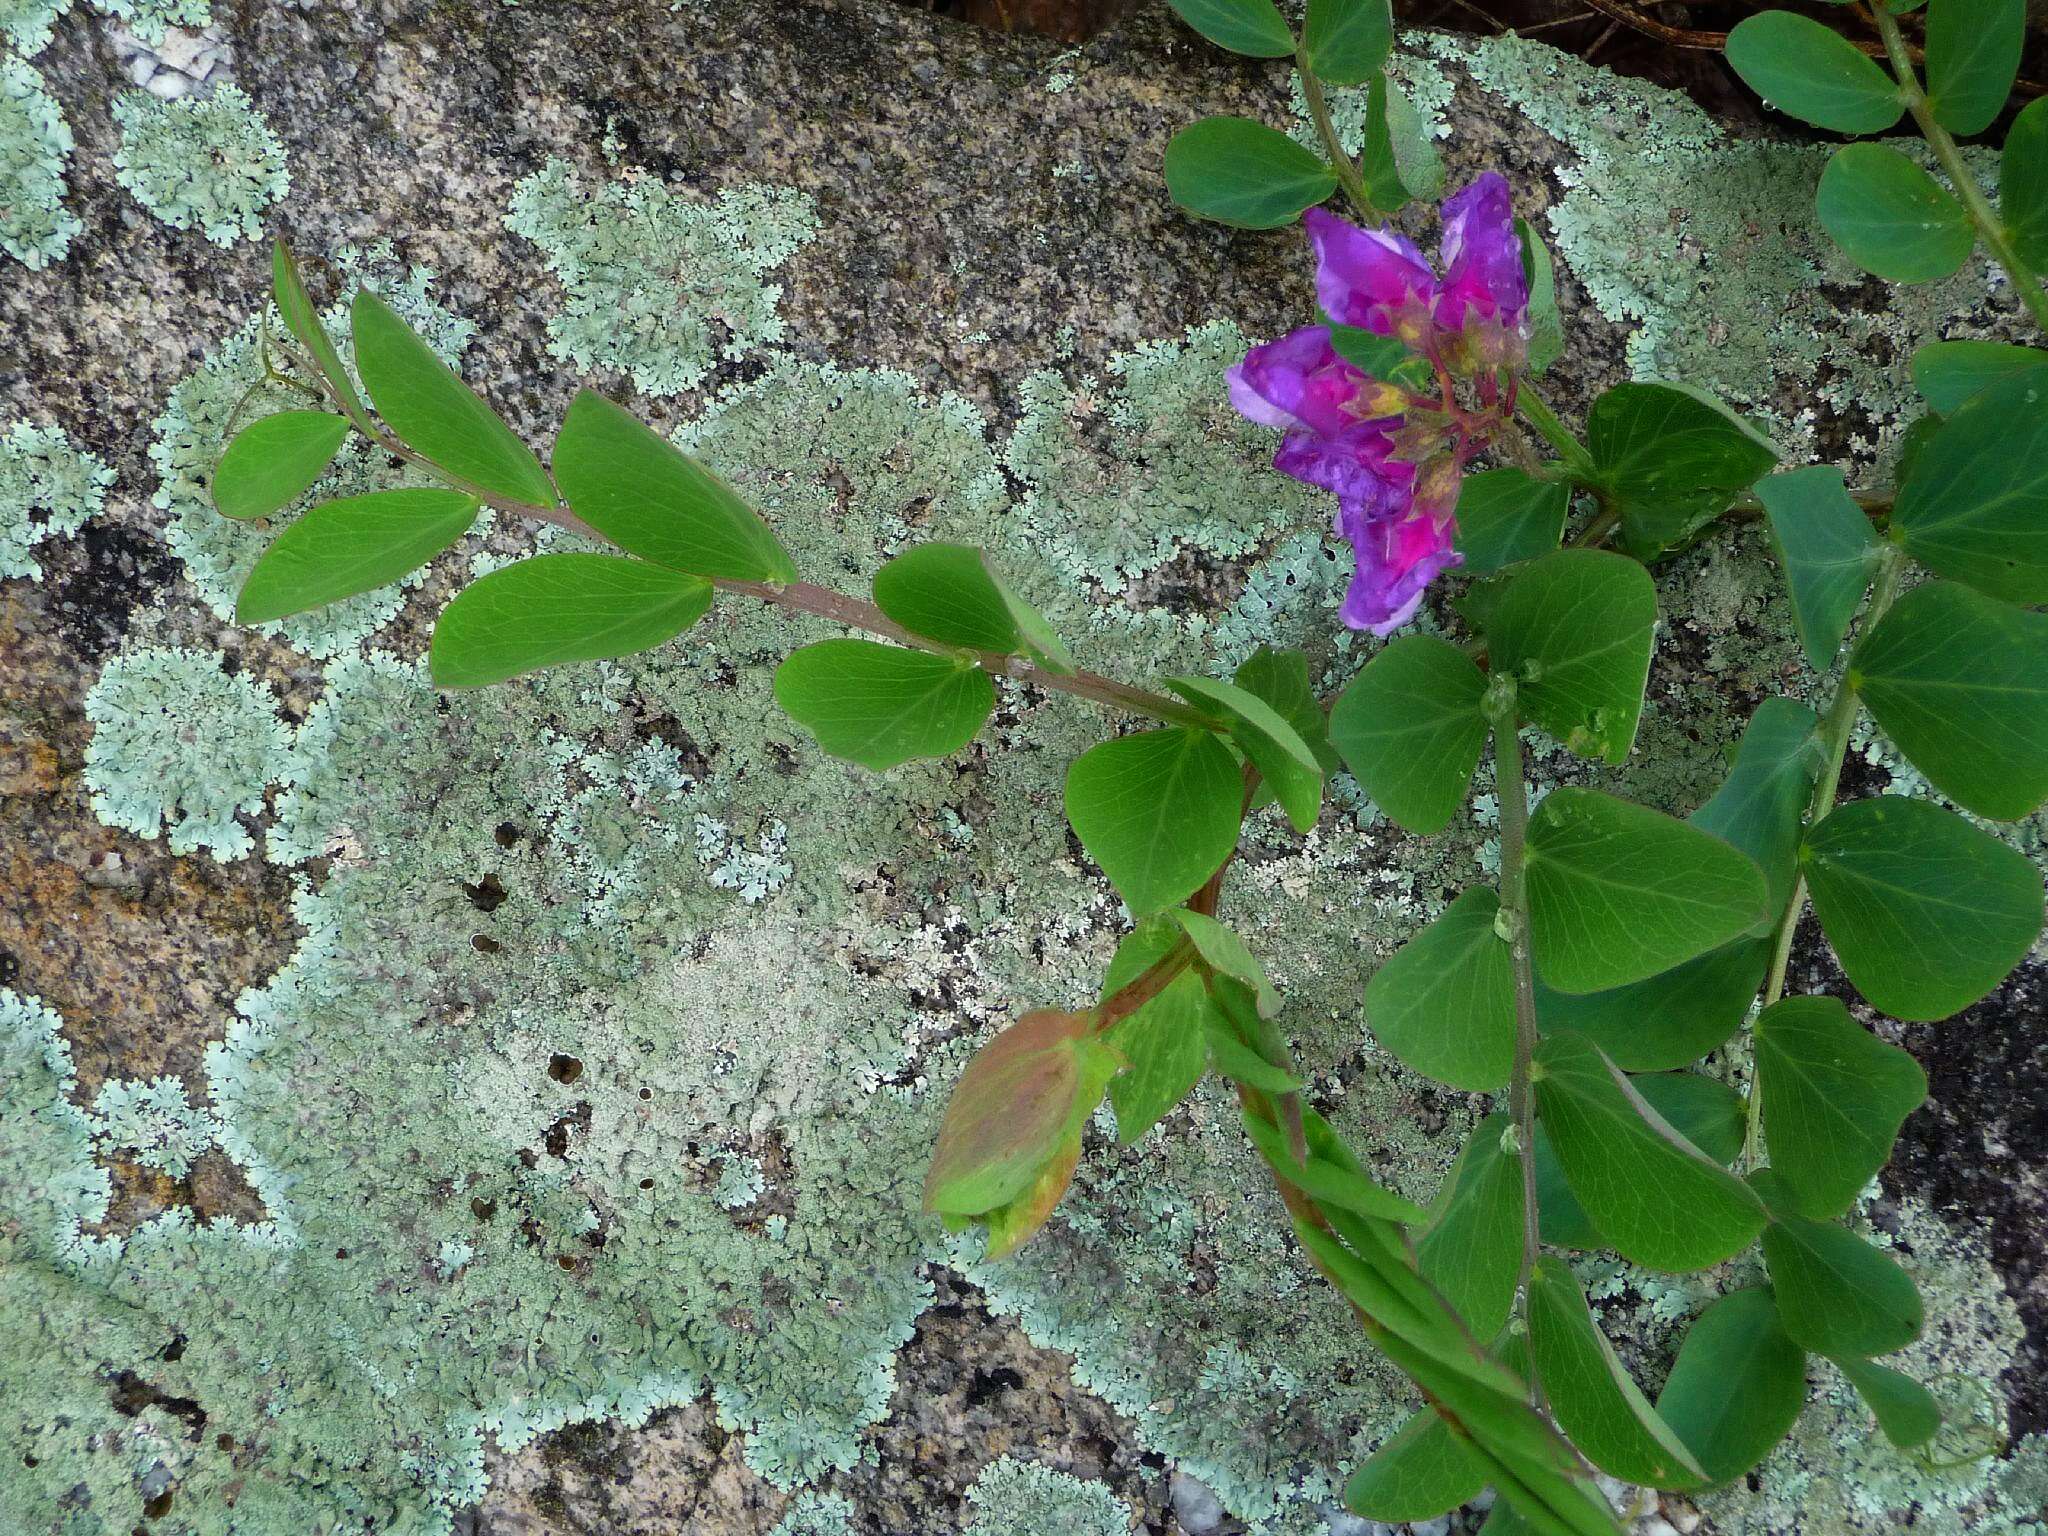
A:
{"x": 816, "y": 1514}
{"x": 154, "y": 1121}
{"x": 659, "y": 285}
{"x": 209, "y": 163}
{"x": 25, "y": 25}
{"x": 35, "y": 145}
{"x": 48, "y": 489}
{"x": 151, "y": 19}
{"x": 228, "y": 391}
{"x": 178, "y": 740}
{"x": 1022, "y": 1498}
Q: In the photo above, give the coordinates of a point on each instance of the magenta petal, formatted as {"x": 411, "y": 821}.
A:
{"x": 1366, "y": 277}
{"x": 1298, "y": 383}
{"x": 1482, "y": 257}
{"x": 1398, "y": 557}
{"x": 1353, "y": 464}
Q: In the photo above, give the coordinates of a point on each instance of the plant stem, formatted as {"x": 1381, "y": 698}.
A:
{"x": 1348, "y": 175}
{"x": 1537, "y": 412}
{"x": 1513, "y": 794}
{"x": 1834, "y": 730}
{"x": 1990, "y": 229}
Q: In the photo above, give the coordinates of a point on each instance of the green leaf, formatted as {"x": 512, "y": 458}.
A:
{"x": 880, "y": 705}
{"x": 1281, "y": 679}
{"x": 1973, "y": 54}
{"x": 1398, "y": 158}
{"x": 1906, "y": 1411}
{"x": 2023, "y": 183}
{"x": 1975, "y": 508}
{"x": 560, "y": 608}
{"x": 1141, "y": 949}
{"x": 1421, "y": 1471}
{"x": 1410, "y": 730}
{"x": 295, "y": 307}
{"x": 1560, "y": 1217}
{"x": 1619, "y": 892}
{"x": 1545, "y": 325}
{"x": 1811, "y": 71}
{"x": 1158, "y": 811}
{"x": 1655, "y": 1196}
{"x": 1834, "y": 1097}
{"x": 1243, "y": 26}
{"x": 1761, "y": 807}
{"x": 273, "y": 462}
{"x": 1021, "y": 1098}
{"x": 1926, "y": 913}
{"x": 1241, "y": 1064}
{"x": 1837, "y": 1295}
{"x": 1245, "y": 174}
{"x": 1347, "y": 40}
{"x": 1671, "y": 1019}
{"x": 1472, "y": 1252}
{"x": 1949, "y": 372}
{"x": 1505, "y": 516}
{"x": 1224, "y": 951}
{"x": 947, "y": 592}
{"x": 1263, "y": 735}
{"x": 1828, "y": 550}
{"x": 1737, "y": 1386}
{"x": 633, "y": 486}
{"x": 1445, "y": 1003}
{"x": 1704, "y": 1110}
{"x": 1597, "y": 1402}
{"x": 1672, "y": 457}
{"x": 1330, "y": 1184}
{"x": 358, "y": 543}
{"x": 1573, "y": 630}
{"x": 1890, "y": 217}
{"x": 1163, "y": 1042}
{"x": 434, "y": 412}
{"x": 1960, "y": 682}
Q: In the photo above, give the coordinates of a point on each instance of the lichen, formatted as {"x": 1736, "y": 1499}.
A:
{"x": 25, "y": 25}
{"x": 48, "y": 489}
{"x": 815, "y": 1514}
{"x": 1022, "y": 1498}
{"x": 35, "y": 145}
{"x": 154, "y": 1120}
{"x": 176, "y": 739}
{"x": 151, "y": 19}
{"x": 659, "y": 286}
{"x": 209, "y": 163}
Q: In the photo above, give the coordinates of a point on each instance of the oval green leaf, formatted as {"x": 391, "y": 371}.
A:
{"x": 1472, "y": 1251}
{"x": 435, "y": 413}
{"x": 554, "y": 609}
{"x": 1906, "y": 1411}
{"x": 1973, "y": 53}
{"x": 358, "y": 543}
{"x": 295, "y": 306}
{"x": 1926, "y": 912}
{"x": 1574, "y": 631}
{"x": 1975, "y": 508}
{"x": 1828, "y": 550}
{"x": 1960, "y": 682}
{"x": 1158, "y": 810}
{"x": 1506, "y": 516}
{"x": 881, "y": 705}
{"x": 1834, "y": 1097}
{"x": 273, "y": 462}
{"x": 1671, "y": 457}
{"x": 1410, "y": 730}
{"x": 1656, "y": 1197}
{"x": 1163, "y": 1044}
{"x": 1420, "y": 1472}
{"x": 1445, "y": 1003}
{"x": 2023, "y": 183}
{"x": 1760, "y": 807}
{"x": 1670, "y": 1020}
{"x": 1245, "y": 174}
{"x": 1619, "y": 892}
{"x": 1276, "y": 749}
{"x": 1811, "y": 71}
{"x": 1949, "y": 372}
{"x": 949, "y": 593}
{"x": 1347, "y": 40}
{"x": 1737, "y": 1386}
{"x": 1838, "y": 1295}
{"x": 1252, "y": 27}
{"x": 652, "y": 500}
{"x": 1892, "y": 218}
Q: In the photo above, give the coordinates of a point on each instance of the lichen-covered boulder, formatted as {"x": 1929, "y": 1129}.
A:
{"x": 506, "y": 1111}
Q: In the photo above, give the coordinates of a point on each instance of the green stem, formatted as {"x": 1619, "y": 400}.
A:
{"x": 1535, "y": 410}
{"x": 1512, "y": 791}
{"x": 1835, "y": 727}
{"x": 1348, "y": 174}
{"x": 1990, "y": 229}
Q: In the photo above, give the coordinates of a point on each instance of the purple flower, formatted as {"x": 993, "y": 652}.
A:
{"x": 1372, "y": 278}
{"x": 1483, "y": 274}
{"x": 1400, "y": 549}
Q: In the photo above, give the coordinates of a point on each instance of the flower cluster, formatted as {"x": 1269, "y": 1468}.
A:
{"x": 1393, "y": 459}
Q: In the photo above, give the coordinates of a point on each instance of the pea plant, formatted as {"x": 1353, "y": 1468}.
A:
{"x": 1619, "y": 949}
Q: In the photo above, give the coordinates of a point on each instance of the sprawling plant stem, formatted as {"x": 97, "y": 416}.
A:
{"x": 1991, "y": 229}
{"x": 1834, "y": 729}
{"x": 1535, "y": 410}
{"x": 1348, "y": 174}
{"x": 1511, "y": 788}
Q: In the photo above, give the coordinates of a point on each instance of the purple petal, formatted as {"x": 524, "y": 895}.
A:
{"x": 1368, "y": 277}
{"x": 1353, "y": 464}
{"x": 1482, "y": 257}
{"x": 1299, "y": 383}
{"x": 1398, "y": 557}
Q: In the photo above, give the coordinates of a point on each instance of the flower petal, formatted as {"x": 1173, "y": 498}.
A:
{"x": 1482, "y": 257}
{"x": 1300, "y": 383}
{"x": 1372, "y": 278}
{"x": 1398, "y": 556}
{"x": 1356, "y": 465}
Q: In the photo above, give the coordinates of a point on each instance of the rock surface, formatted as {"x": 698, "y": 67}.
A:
{"x": 963, "y": 210}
